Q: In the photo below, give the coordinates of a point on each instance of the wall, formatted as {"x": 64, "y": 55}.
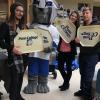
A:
{"x": 68, "y": 4}
{"x": 73, "y": 4}
{"x": 5, "y": 7}
{"x": 3, "y": 10}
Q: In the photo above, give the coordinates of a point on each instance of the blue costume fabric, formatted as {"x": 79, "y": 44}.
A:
{"x": 38, "y": 67}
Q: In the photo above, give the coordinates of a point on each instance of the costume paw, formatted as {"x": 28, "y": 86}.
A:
{"x": 30, "y": 88}
{"x": 42, "y": 88}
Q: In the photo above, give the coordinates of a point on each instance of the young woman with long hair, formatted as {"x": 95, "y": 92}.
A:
{"x": 16, "y": 60}
{"x": 66, "y": 54}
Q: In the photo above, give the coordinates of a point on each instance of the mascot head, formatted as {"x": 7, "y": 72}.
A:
{"x": 44, "y": 11}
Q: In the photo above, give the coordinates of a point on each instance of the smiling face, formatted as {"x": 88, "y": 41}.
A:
{"x": 87, "y": 15}
{"x": 19, "y": 12}
{"x": 73, "y": 17}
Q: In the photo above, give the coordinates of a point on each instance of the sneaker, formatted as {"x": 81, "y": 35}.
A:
{"x": 79, "y": 93}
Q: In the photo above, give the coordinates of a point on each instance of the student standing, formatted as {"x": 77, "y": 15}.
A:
{"x": 66, "y": 54}
{"x": 16, "y": 59}
{"x": 88, "y": 59}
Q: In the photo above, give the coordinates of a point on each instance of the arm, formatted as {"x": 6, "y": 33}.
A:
{"x": 4, "y": 36}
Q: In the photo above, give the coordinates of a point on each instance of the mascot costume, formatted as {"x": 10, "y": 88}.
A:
{"x": 44, "y": 11}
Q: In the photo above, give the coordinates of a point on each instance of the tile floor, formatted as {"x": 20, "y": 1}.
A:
{"x": 54, "y": 93}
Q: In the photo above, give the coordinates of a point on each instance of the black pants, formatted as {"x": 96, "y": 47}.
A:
{"x": 62, "y": 59}
{"x": 87, "y": 64}
{"x": 15, "y": 84}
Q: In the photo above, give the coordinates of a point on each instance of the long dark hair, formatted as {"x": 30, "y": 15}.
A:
{"x": 78, "y": 18}
{"x": 12, "y": 17}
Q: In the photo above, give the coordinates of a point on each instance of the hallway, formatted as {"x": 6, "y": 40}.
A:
{"x": 54, "y": 93}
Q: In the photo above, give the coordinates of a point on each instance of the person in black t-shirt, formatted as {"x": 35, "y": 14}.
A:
{"x": 88, "y": 59}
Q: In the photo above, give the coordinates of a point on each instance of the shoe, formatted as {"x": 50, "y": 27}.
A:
{"x": 1, "y": 93}
{"x": 0, "y": 97}
{"x": 64, "y": 87}
{"x": 61, "y": 86}
{"x": 88, "y": 98}
{"x": 21, "y": 98}
{"x": 79, "y": 93}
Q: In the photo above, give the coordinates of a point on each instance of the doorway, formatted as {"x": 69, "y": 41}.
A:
{"x": 96, "y": 13}
{"x": 3, "y": 10}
